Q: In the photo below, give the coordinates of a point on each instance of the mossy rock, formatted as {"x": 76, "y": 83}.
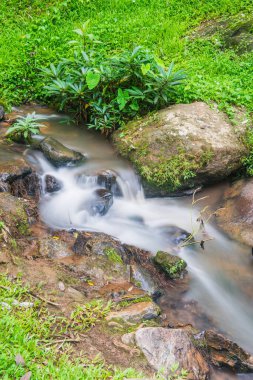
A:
{"x": 235, "y": 33}
{"x": 181, "y": 147}
{"x": 172, "y": 265}
{"x": 58, "y": 154}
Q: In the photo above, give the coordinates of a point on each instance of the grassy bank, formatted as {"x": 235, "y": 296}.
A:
{"x": 32, "y": 36}
{"x": 28, "y": 330}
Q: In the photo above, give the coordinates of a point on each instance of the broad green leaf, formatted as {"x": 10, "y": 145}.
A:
{"x": 122, "y": 98}
{"x": 92, "y": 79}
{"x": 145, "y": 68}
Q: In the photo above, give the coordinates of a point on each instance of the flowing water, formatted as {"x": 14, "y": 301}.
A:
{"x": 221, "y": 275}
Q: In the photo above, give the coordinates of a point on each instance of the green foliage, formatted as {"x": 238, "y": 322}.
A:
{"x": 175, "y": 373}
{"x": 113, "y": 255}
{"x": 86, "y": 316}
{"x": 248, "y": 159}
{"x": 24, "y": 128}
{"x": 35, "y": 34}
{"x": 106, "y": 91}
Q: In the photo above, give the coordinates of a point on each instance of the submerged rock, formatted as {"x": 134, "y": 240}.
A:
{"x": 165, "y": 347}
{"x": 52, "y": 184}
{"x": 103, "y": 200}
{"x": 182, "y": 146}
{"x": 136, "y": 313}
{"x": 58, "y": 154}
{"x": 174, "y": 234}
{"x": 172, "y": 265}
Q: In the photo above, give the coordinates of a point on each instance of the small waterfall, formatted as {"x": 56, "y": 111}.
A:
{"x": 219, "y": 273}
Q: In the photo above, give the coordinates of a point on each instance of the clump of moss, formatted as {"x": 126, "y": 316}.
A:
{"x": 131, "y": 301}
{"x": 172, "y": 265}
{"x": 113, "y": 255}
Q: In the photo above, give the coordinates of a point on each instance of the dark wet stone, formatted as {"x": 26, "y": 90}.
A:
{"x": 103, "y": 200}
{"x": 19, "y": 179}
{"x": 28, "y": 186}
{"x": 58, "y": 154}
{"x": 52, "y": 184}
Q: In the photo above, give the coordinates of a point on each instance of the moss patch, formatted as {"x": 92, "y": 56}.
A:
{"x": 172, "y": 265}
{"x": 113, "y": 255}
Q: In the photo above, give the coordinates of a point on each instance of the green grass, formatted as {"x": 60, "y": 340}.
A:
{"x": 34, "y": 35}
{"x": 23, "y": 329}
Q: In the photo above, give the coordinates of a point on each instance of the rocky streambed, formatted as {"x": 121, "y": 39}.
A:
{"x": 76, "y": 219}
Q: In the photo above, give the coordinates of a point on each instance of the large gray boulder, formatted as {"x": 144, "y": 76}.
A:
{"x": 58, "y": 154}
{"x": 182, "y": 146}
{"x": 165, "y": 347}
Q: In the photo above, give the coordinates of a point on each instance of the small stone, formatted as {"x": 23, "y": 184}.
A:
{"x": 114, "y": 325}
{"x": 61, "y": 286}
{"x": 5, "y": 305}
{"x": 27, "y": 376}
{"x": 172, "y": 265}
{"x": 19, "y": 360}
{"x": 136, "y": 313}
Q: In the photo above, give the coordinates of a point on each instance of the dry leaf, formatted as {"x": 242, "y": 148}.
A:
{"x": 27, "y": 376}
{"x": 19, "y": 360}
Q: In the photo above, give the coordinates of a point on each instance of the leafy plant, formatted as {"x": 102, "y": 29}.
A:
{"x": 24, "y": 128}
{"x": 107, "y": 91}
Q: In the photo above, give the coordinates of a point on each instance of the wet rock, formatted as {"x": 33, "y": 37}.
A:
{"x": 101, "y": 203}
{"x": 235, "y": 216}
{"x": 28, "y": 186}
{"x": 19, "y": 179}
{"x": 52, "y": 184}
{"x": 108, "y": 180}
{"x": 2, "y": 113}
{"x": 58, "y": 154}
{"x": 182, "y": 146}
{"x": 172, "y": 265}
{"x": 165, "y": 347}
{"x": 144, "y": 279}
{"x": 53, "y": 248}
{"x": 11, "y": 171}
{"x": 225, "y": 353}
{"x": 136, "y": 313}
{"x": 174, "y": 234}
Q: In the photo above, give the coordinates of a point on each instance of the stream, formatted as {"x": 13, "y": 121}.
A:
{"x": 221, "y": 279}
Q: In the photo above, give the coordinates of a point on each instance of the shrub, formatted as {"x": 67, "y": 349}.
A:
{"x": 24, "y": 128}
{"x": 106, "y": 91}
